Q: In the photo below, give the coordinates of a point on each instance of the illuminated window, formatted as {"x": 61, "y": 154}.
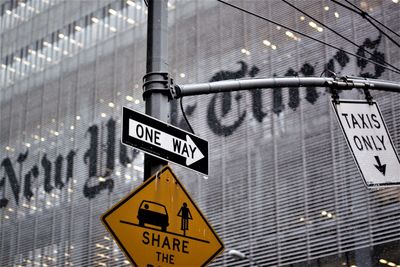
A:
{"x": 88, "y": 31}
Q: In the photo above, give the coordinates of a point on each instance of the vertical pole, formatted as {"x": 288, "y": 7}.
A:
{"x": 156, "y": 81}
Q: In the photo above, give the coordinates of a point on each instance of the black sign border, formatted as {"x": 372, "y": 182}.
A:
{"x": 372, "y": 185}
{"x": 137, "y": 190}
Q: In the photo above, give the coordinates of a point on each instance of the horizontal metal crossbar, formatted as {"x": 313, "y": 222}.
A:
{"x": 343, "y": 83}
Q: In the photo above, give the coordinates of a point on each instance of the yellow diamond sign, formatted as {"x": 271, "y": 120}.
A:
{"x": 159, "y": 224}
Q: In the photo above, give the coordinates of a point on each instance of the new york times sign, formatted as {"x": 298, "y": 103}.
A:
{"x": 56, "y": 172}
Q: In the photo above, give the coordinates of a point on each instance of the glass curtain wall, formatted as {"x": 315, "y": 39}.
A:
{"x": 283, "y": 187}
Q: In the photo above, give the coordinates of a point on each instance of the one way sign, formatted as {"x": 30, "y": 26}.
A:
{"x": 165, "y": 141}
{"x": 369, "y": 140}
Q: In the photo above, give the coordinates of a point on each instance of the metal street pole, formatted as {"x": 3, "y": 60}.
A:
{"x": 156, "y": 82}
{"x": 342, "y": 83}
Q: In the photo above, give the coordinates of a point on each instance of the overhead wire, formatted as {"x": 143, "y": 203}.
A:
{"x": 364, "y": 13}
{"x": 336, "y": 32}
{"x": 306, "y": 35}
{"x": 367, "y": 17}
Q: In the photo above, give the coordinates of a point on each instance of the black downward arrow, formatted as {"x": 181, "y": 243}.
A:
{"x": 380, "y": 167}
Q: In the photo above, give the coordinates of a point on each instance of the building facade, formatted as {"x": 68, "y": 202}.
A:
{"x": 283, "y": 187}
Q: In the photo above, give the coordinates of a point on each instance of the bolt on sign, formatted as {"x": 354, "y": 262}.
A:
{"x": 369, "y": 141}
{"x": 159, "y": 224}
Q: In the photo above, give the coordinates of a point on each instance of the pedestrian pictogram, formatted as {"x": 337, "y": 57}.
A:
{"x": 369, "y": 141}
{"x": 159, "y": 224}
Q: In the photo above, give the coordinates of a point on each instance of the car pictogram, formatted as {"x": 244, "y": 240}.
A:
{"x": 153, "y": 213}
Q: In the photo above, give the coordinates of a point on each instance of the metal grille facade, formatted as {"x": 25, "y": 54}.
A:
{"x": 283, "y": 187}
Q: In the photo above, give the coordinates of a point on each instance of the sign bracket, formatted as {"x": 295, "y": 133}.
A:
{"x": 335, "y": 95}
{"x": 157, "y": 77}
{"x": 368, "y": 97}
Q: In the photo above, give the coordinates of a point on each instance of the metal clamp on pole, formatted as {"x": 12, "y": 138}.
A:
{"x": 159, "y": 82}
{"x": 175, "y": 91}
{"x": 341, "y": 83}
{"x": 368, "y": 96}
{"x": 366, "y": 85}
{"x": 335, "y": 95}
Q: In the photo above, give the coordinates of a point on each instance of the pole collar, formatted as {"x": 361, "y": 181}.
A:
{"x": 157, "y": 82}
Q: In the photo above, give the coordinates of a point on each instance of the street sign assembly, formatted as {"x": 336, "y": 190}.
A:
{"x": 369, "y": 141}
{"x": 159, "y": 224}
{"x": 164, "y": 141}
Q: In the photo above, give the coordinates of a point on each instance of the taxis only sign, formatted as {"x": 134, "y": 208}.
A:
{"x": 158, "y": 224}
{"x": 369, "y": 141}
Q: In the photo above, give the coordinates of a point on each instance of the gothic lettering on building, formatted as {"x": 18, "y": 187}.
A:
{"x": 52, "y": 170}
{"x": 336, "y": 64}
{"x": 93, "y": 184}
{"x": 225, "y": 100}
{"x": 99, "y": 157}
{"x": 374, "y": 55}
{"x": 258, "y": 112}
{"x": 294, "y": 95}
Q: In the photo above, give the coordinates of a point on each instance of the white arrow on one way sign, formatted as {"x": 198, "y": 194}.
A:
{"x": 185, "y": 148}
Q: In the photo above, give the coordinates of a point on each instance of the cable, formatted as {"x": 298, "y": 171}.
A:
{"x": 184, "y": 115}
{"x": 308, "y": 36}
{"x": 337, "y": 33}
{"x": 330, "y": 72}
{"x": 366, "y": 16}
{"x": 363, "y": 13}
